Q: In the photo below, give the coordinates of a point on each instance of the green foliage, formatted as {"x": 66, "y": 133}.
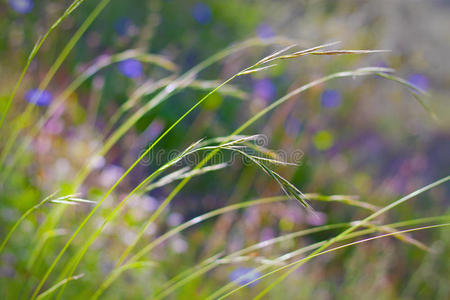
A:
{"x": 105, "y": 194}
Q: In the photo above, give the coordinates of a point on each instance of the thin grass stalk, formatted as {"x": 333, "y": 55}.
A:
{"x": 364, "y": 71}
{"x": 226, "y": 209}
{"x": 346, "y": 232}
{"x": 55, "y": 66}
{"x": 221, "y": 211}
{"x": 69, "y": 90}
{"x": 23, "y": 217}
{"x": 71, "y": 266}
{"x": 319, "y": 253}
{"x": 236, "y": 132}
{"x": 165, "y": 203}
{"x": 231, "y": 285}
{"x": 173, "y": 284}
{"x": 73, "y": 263}
{"x": 170, "y": 89}
{"x": 52, "y": 266}
{"x": 79, "y": 178}
{"x": 33, "y": 53}
{"x": 83, "y": 223}
{"x": 416, "y": 91}
{"x": 181, "y": 227}
{"x": 83, "y": 174}
{"x": 58, "y": 285}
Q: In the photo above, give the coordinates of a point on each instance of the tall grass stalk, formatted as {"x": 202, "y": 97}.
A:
{"x": 236, "y": 256}
{"x": 223, "y": 210}
{"x": 319, "y": 253}
{"x": 182, "y": 81}
{"x": 167, "y": 89}
{"x": 173, "y": 87}
{"x": 359, "y": 72}
{"x": 23, "y": 217}
{"x": 55, "y": 261}
{"x": 253, "y": 67}
{"x": 33, "y": 53}
{"x": 50, "y": 74}
{"x": 292, "y": 267}
{"x": 72, "y": 87}
{"x": 285, "y": 257}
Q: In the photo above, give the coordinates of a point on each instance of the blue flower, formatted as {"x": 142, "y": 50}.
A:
{"x": 264, "y": 89}
{"x": 264, "y": 31}
{"x": 243, "y": 276}
{"x": 419, "y": 80}
{"x": 331, "y": 98}
{"x": 39, "y": 97}
{"x": 130, "y": 67}
{"x": 123, "y": 26}
{"x": 21, "y": 6}
{"x": 202, "y": 13}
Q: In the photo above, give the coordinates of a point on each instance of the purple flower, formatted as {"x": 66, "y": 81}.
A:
{"x": 243, "y": 276}
{"x": 130, "y": 67}
{"x": 330, "y": 98}
{"x": 264, "y": 89}
{"x": 21, "y": 6}
{"x": 419, "y": 80}
{"x": 39, "y": 97}
{"x": 264, "y": 31}
{"x": 123, "y": 26}
{"x": 202, "y": 13}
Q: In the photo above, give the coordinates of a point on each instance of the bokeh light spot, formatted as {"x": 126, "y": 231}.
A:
{"x": 323, "y": 140}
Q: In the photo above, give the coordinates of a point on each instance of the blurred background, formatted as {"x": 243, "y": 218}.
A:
{"x": 367, "y": 137}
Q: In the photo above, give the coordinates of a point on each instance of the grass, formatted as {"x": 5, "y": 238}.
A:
{"x": 126, "y": 117}
{"x": 317, "y": 252}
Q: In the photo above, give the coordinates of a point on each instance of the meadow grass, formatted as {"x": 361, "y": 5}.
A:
{"x": 235, "y": 142}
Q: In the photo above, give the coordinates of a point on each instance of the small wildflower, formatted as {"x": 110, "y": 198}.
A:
{"x": 419, "y": 80}
{"x": 330, "y": 98}
{"x": 21, "y": 6}
{"x": 264, "y": 89}
{"x": 202, "y": 13}
{"x": 38, "y": 97}
{"x": 131, "y": 68}
{"x": 244, "y": 275}
{"x": 265, "y": 31}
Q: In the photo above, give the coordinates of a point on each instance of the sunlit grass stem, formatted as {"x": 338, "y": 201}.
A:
{"x": 292, "y": 267}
